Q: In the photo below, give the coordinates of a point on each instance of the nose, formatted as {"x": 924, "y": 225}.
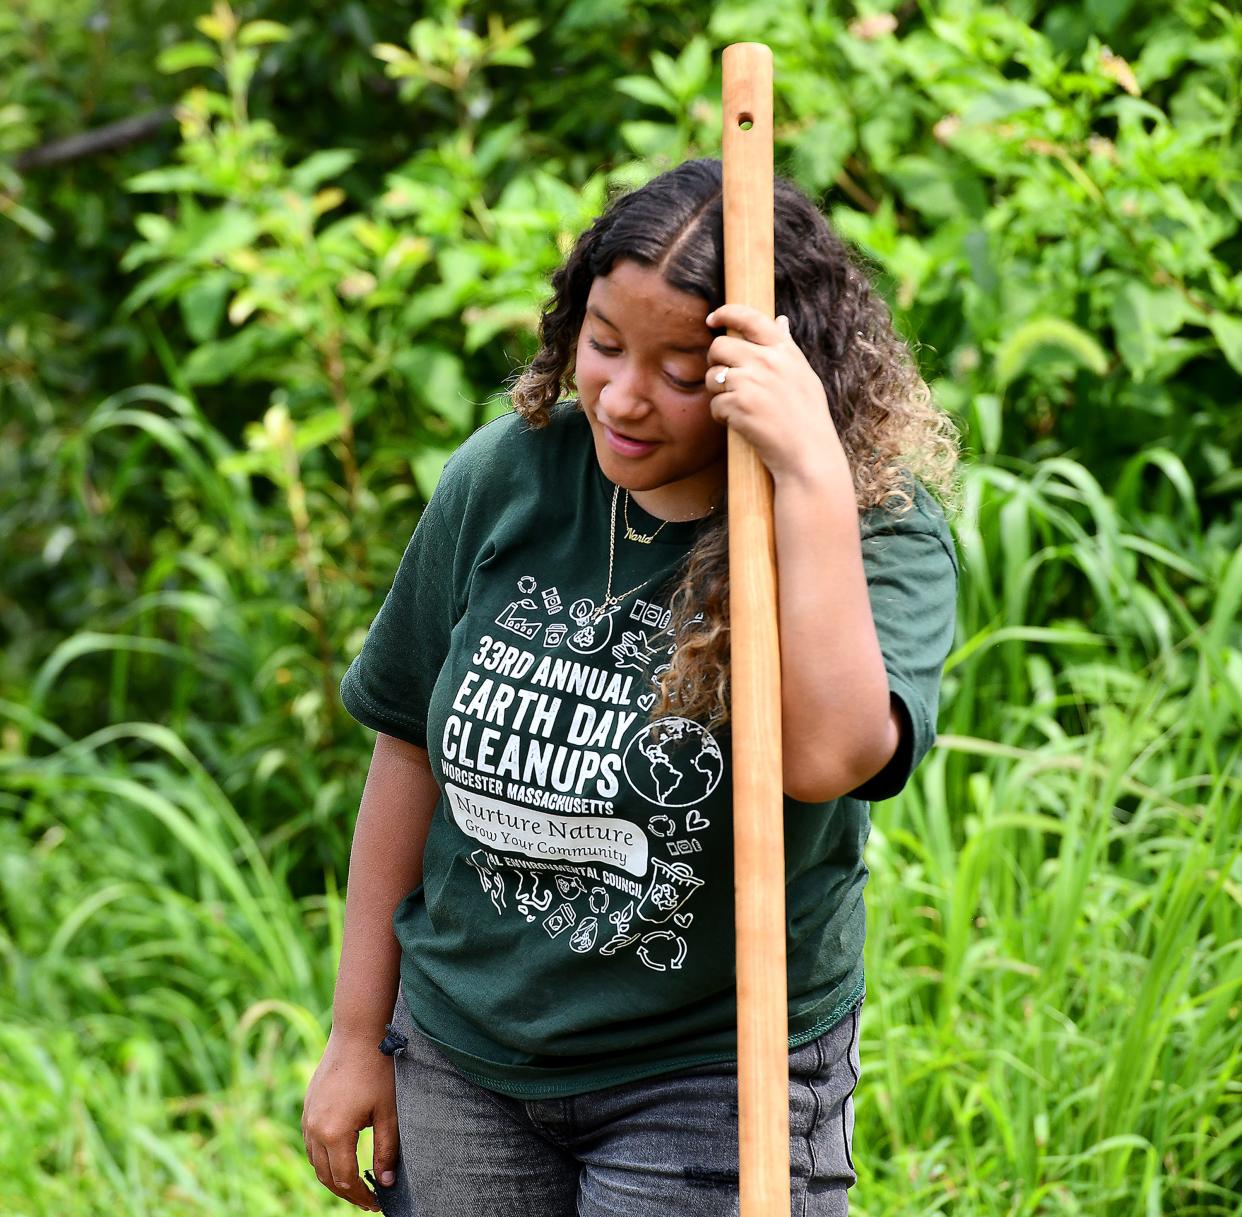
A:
{"x": 625, "y": 395}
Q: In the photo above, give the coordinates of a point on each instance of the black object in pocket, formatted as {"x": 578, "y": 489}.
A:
{"x": 385, "y": 1197}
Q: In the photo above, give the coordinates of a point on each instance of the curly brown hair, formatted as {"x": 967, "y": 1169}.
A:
{"x": 890, "y": 428}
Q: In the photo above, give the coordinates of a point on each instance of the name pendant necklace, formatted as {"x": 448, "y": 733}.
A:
{"x": 630, "y": 533}
{"x": 610, "y": 601}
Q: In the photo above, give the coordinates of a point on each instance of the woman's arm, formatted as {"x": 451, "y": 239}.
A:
{"x": 838, "y": 724}
{"x": 385, "y": 864}
{"x": 354, "y": 1086}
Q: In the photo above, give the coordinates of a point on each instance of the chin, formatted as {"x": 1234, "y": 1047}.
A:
{"x": 620, "y": 471}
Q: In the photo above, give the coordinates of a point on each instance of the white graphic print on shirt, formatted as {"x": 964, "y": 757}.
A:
{"x": 538, "y": 748}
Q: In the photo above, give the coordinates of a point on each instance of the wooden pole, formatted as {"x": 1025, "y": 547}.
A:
{"x": 758, "y": 807}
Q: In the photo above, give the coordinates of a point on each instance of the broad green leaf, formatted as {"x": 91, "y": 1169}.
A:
{"x": 668, "y": 73}
{"x": 160, "y": 283}
{"x": 939, "y": 189}
{"x": 224, "y": 232}
{"x": 161, "y": 181}
{"x": 256, "y": 33}
{"x": 649, "y": 92}
{"x": 686, "y": 76}
{"x": 1164, "y": 53}
{"x": 462, "y": 266}
{"x": 319, "y": 167}
{"x": 696, "y": 64}
{"x": 155, "y": 228}
{"x": 437, "y": 378}
{"x": 498, "y": 145}
{"x": 1171, "y": 355}
{"x": 184, "y": 55}
{"x": 1143, "y": 318}
{"x": 319, "y": 429}
{"x": 202, "y": 304}
{"x": 428, "y": 305}
{"x": 651, "y": 139}
{"x": 1231, "y": 192}
{"x": 252, "y": 461}
{"x": 512, "y": 57}
{"x": 1001, "y": 102}
{"x": 820, "y": 151}
{"x": 522, "y": 31}
{"x": 13, "y": 115}
{"x": 1227, "y": 331}
{"x": 218, "y": 28}
{"x": 390, "y": 53}
{"x": 485, "y": 324}
{"x": 1107, "y": 14}
{"x": 215, "y": 362}
{"x": 885, "y": 132}
{"x": 592, "y": 15}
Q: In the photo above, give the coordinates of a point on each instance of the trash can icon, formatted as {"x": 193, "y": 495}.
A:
{"x": 672, "y": 884}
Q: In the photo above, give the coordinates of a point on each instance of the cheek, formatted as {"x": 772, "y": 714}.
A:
{"x": 586, "y": 366}
{"x": 700, "y": 432}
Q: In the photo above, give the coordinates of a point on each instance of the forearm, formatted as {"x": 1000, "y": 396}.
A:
{"x": 385, "y": 864}
{"x": 837, "y": 724}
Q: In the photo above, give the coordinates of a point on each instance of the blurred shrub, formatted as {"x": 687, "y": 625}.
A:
{"x": 1049, "y": 200}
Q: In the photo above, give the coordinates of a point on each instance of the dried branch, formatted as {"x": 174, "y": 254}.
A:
{"x": 90, "y": 143}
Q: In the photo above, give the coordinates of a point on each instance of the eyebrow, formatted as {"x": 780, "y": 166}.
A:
{"x": 668, "y": 346}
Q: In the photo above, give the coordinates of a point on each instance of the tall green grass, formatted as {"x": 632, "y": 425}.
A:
{"x": 1054, "y": 964}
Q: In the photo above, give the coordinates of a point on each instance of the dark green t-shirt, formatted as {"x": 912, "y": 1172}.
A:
{"x": 574, "y": 927}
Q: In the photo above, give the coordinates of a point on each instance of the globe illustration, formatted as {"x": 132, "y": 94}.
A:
{"x": 673, "y": 762}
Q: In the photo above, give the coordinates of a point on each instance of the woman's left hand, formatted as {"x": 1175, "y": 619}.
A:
{"x": 771, "y": 395}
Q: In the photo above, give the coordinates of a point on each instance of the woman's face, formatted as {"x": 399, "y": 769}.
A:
{"x": 640, "y": 368}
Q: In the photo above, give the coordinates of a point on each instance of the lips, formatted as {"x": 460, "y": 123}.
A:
{"x": 626, "y": 446}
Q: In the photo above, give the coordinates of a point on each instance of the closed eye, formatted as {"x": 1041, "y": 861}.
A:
{"x": 684, "y": 385}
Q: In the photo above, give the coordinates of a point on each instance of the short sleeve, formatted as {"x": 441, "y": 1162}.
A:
{"x": 912, "y": 574}
{"x": 388, "y": 685}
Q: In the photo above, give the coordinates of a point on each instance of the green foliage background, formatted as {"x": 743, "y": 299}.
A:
{"x": 233, "y": 358}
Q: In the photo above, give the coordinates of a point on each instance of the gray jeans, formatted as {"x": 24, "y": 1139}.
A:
{"x": 660, "y": 1147}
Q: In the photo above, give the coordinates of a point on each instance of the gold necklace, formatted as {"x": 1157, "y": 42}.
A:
{"x": 630, "y": 534}
{"x": 610, "y": 601}
{"x": 644, "y": 538}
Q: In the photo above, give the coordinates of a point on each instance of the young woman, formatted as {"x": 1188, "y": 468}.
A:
{"x": 546, "y": 820}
